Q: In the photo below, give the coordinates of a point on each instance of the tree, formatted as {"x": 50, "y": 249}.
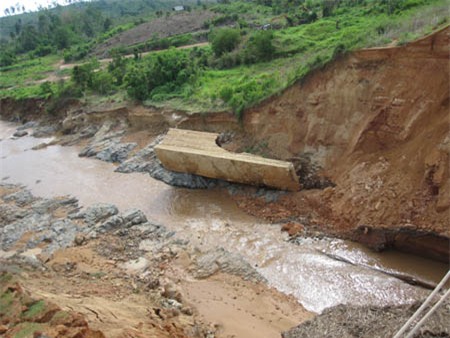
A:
{"x": 224, "y": 40}
{"x": 260, "y": 45}
{"x": 137, "y": 83}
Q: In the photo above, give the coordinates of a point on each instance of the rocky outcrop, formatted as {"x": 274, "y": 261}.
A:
{"x": 106, "y": 144}
{"x": 34, "y": 222}
{"x": 220, "y": 260}
{"x": 146, "y": 161}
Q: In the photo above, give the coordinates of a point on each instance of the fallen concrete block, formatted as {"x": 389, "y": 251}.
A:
{"x": 197, "y": 153}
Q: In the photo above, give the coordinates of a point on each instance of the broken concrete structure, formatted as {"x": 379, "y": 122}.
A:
{"x": 198, "y": 153}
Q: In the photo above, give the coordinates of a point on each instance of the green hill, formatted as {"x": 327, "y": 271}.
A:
{"x": 256, "y": 48}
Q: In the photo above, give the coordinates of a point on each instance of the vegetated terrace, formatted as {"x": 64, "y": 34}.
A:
{"x": 245, "y": 61}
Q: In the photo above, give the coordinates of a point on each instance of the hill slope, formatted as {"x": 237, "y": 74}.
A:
{"x": 377, "y": 122}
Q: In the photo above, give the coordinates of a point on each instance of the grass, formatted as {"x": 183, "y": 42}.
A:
{"x": 299, "y": 50}
{"x": 18, "y": 81}
{"x": 25, "y": 330}
{"x": 303, "y": 48}
{"x": 6, "y": 300}
{"x": 34, "y": 309}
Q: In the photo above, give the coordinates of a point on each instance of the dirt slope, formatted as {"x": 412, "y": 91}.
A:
{"x": 377, "y": 122}
{"x": 160, "y": 28}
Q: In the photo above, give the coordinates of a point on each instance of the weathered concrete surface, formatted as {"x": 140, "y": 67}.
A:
{"x": 197, "y": 153}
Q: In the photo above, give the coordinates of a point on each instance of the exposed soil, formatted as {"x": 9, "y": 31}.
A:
{"x": 179, "y": 23}
{"x": 124, "y": 276}
{"x": 375, "y": 123}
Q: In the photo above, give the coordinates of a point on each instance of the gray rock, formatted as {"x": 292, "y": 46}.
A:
{"x": 10, "y": 213}
{"x": 111, "y": 223}
{"x": 44, "y": 131}
{"x": 220, "y": 260}
{"x": 145, "y": 160}
{"x": 21, "y": 197}
{"x": 133, "y": 217}
{"x": 97, "y": 212}
{"x": 109, "y": 150}
{"x": 117, "y": 152}
{"x": 89, "y": 131}
{"x": 28, "y": 125}
{"x": 48, "y": 205}
{"x": 12, "y": 232}
{"x": 20, "y": 133}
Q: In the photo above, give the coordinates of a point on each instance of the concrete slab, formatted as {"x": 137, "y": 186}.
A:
{"x": 197, "y": 153}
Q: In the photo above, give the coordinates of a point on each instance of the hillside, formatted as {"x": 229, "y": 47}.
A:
{"x": 244, "y": 64}
{"x": 98, "y": 238}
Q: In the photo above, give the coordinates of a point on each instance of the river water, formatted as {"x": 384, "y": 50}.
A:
{"x": 210, "y": 219}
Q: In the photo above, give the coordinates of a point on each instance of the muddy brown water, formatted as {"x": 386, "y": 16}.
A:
{"x": 210, "y": 219}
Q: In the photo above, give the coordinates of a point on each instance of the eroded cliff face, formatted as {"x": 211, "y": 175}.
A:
{"x": 377, "y": 122}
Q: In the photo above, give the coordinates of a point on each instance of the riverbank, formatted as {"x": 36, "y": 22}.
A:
{"x": 222, "y": 291}
{"x": 127, "y": 276}
{"x": 126, "y": 135}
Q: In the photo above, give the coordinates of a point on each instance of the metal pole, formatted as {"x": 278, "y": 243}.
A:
{"x": 423, "y": 306}
{"x": 429, "y": 313}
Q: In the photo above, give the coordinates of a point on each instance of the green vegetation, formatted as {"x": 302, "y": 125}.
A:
{"x": 257, "y": 48}
{"x": 6, "y": 300}
{"x": 25, "y": 330}
{"x": 35, "y": 309}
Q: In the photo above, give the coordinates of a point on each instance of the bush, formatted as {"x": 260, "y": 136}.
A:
{"x": 7, "y": 59}
{"x": 46, "y": 89}
{"x": 137, "y": 83}
{"x": 224, "y": 40}
{"x": 160, "y": 74}
{"x": 259, "y": 47}
{"x": 102, "y": 82}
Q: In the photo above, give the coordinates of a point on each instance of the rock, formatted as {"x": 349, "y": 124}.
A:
{"x": 79, "y": 240}
{"x": 21, "y": 197}
{"x": 220, "y": 260}
{"x": 133, "y": 217}
{"x": 136, "y": 266}
{"x": 10, "y": 213}
{"x": 44, "y": 131}
{"x": 117, "y": 152}
{"x": 187, "y": 311}
{"x": 97, "y": 213}
{"x": 3, "y": 329}
{"x": 171, "y": 292}
{"x": 49, "y": 205}
{"x": 28, "y": 125}
{"x": 293, "y": 229}
{"x": 111, "y": 223}
{"x": 109, "y": 150}
{"x": 20, "y": 133}
{"x": 145, "y": 160}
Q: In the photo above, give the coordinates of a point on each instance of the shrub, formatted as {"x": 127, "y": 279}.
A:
{"x": 7, "y": 59}
{"x": 137, "y": 83}
{"x": 224, "y": 40}
{"x": 102, "y": 82}
{"x": 46, "y": 89}
{"x": 260, "y": 47}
